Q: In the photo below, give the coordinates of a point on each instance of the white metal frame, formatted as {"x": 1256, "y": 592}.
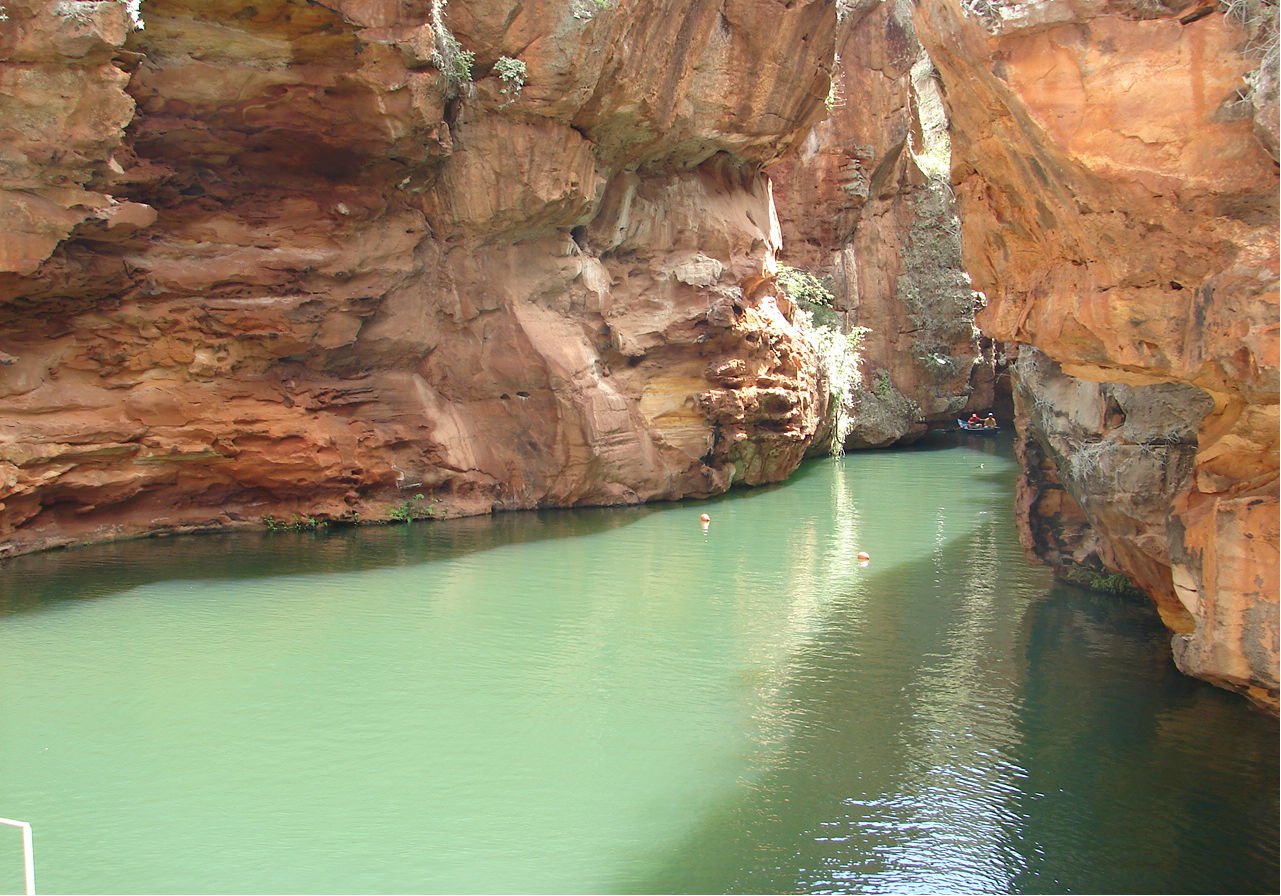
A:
{"x": 28, "y": 853}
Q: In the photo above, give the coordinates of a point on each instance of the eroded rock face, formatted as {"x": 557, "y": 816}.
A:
{"x": 866, "y": 204}
{"x": 65, "y": 110}
{"x": 1123, "y": 455}
{"x": 292, "y": 259}
{"x": 1130, "y": 235}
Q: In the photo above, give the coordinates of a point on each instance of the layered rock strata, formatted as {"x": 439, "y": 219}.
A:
{"x": 299, "y": 260}
{"x": 866, "y": 205}
{"x": 1120, "y": 212}
{"x": 362, "y": 258}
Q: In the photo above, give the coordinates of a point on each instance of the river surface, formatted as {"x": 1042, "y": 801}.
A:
{"x": 617, "y": 701}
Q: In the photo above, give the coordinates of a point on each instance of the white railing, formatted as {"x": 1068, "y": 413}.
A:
{"x": 28, "y": 853}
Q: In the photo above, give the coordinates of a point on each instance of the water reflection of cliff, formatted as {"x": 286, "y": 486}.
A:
{"x": 29, "y": 582}
{"x": 1166, "y": 783}
{"x": 958, "y": 724}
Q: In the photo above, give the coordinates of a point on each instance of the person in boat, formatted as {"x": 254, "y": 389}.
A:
{"x": 990, "y": 421}
{"x": 975, "y": 419}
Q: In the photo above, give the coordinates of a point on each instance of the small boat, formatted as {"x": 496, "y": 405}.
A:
{"x": 980, "y": 428}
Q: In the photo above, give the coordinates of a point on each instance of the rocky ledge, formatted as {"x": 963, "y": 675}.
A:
{"x": 334, "y": 260}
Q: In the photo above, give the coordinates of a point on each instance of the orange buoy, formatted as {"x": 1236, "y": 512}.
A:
{"x": 704, "y": 518}
{"x": 864, "y": 556}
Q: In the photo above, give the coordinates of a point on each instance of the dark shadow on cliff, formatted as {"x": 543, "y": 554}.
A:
{"x": 92, "y": 571}
{"x": 34, "y": 581}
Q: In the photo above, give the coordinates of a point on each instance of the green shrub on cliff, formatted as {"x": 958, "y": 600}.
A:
{"x": 449, "y": 56}
{"x": 415, "y": 508}
{"x": 838, "y": 355}
{"x": 585, "y": 9}
{"x": 299, "y": 523}
{"x": 803, "y": 287}
{"x": 1108, "y": 583}
{"x": 512, "y": 73}
{"x": 838, "y": 350}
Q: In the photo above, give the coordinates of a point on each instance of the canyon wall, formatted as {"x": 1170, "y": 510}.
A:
{"x": 1115, "y": 165}
{"x": 866, "y": 205}
{"x": 294, "y": 261}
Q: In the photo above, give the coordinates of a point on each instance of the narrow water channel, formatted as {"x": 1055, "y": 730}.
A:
{"x": 617, "y": 701}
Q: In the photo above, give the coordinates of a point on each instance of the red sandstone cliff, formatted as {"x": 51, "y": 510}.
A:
{"x": 866, "y": 204}
{"x": 302, "y": 258}
{"x": 312, "y": 258}
{"x": 1118, "y": 187}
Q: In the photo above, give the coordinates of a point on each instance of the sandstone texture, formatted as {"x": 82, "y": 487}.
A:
{"x": 309, "y": 261}
{"x": 358, "y": 260}
{"x": 1118, "y": 190}
{"x": 866, "y": 204}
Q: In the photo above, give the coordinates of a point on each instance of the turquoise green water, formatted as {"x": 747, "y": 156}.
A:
{"x": 617, "y": 701}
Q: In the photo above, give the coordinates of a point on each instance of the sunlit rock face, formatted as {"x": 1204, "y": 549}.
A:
{"x": 866, "y": 204}
{"x": 290, "y": 259}
{"x": 1118, "y": 191}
